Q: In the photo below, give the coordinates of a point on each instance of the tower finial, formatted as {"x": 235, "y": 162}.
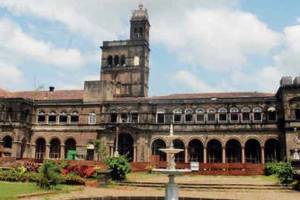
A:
{"x": 141, "y": 6}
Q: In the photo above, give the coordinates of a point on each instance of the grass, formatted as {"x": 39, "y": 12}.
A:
{"x": 10, "y": 190}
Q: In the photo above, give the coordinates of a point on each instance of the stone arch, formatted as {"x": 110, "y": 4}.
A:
{"x": 259, "y": 140}
{"x": 116, "y": 60}
{"x": 40, "y": 148}
{"x": 70, "y": 144}
{"x": 272, "y": 150}
{"x": 7, "y": 141}
{"x": 179, "y": 144}
{"x": 253, "y": 151}
{"x": 233, "y": 150}
{"x": 126, "y": 145}
{"x": 55, "y": 146}
{"x": 214, "y": 151}
{"x": 195, "y": 150}
{"x": 156, "y": 145}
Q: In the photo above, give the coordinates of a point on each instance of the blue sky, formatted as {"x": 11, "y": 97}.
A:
{"x": 196, "y": 45}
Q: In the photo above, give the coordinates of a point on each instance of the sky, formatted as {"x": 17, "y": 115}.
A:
{"x": 196, "y": 45}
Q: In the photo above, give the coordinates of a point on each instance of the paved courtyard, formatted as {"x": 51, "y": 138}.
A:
{"x": 243, "y": 194}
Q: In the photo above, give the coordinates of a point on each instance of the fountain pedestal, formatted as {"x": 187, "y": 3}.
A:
{"x": 171, "y": 189}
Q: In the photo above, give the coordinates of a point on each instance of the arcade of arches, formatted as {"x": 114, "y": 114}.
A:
{"x": 215, "y": 152}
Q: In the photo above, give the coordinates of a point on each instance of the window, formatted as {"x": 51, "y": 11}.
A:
{"x": 117, "y": 60}
{"x": 63, "y": 118}
{"x": 272, "y": 116}
{"x": 234, "y": 114}
{"x": 123, "y": 60}
{"x": 92, "y": 118}
{"x": 246, "y": 114}
{"x": 110, "y": 60}
{"x": 52, "y": 117}
{"x": 41, "y": 117}
{"x": 211, "y": 115}
{"x": 188, "y": 115}
{"x": 177, "y": 116}
{"x": 160, "y": 117}
{"x": 222, "y": 114}
{"x": 297, "y": 114}
{"x": 257, "y": 114}
{"x": 134, "y": 117}
{"x": 113, "y": 117}
{"x": 200, "y": 115}
{"x": 74, "y": 117}
{"x": 124, "y": 117}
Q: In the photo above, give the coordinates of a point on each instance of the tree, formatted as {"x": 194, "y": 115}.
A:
{"x": 49, "y": 175}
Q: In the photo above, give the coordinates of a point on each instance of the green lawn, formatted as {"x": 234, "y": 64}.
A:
{"x": 10, "y": 190}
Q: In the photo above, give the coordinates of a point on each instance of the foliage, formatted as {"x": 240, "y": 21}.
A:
{"x": 119, "y": 167}
{"x": 101, "y": 150}
{"x": 73, "y": 179}
{"x": 49, "y": 175}
{"x": 31, "y": 166}
{"x": 80, "y": 170}
{"x": 283, "y": 170}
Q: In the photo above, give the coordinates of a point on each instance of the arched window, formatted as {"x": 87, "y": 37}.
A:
{"x": 92, "y": 118}
{"x": 222, "y": 115}
{"x": 123, "y": 60}
{"x": 113, "y": 116}
{"x": 257, "y": 114}
{"x": 160, "y": 116}
{"x": 41, "y": 118}
{"x": 54, "y": 149}
{"x": 74, "y": 117}
{"x": 141, "y": 32}
{"x": 234, "y": 114}
{"x": 52, "y": 117}
{"x": 211, "y": 115}
{"x": 200, "y": 115}
{"x": 7, "y": 142}
{"x": 188, "y": 115}
{"x": 246, "y": 114}
{"x": 177, "y": 115}
{"x": 63, "y": 118}
{"x": 109, "y": 60}
{"x": 134, "y": 116}
{"x": 156, "y": 152}
{"x": 124, "y": 117}
{"x": 117, "y": 60}
{"x": 272, "y": 115}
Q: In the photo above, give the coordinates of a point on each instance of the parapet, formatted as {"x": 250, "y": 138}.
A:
{"x": 95, "y": 91}
{"x": 288, "y": 81}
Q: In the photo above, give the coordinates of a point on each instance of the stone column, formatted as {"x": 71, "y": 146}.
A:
{"x": 47, "y": 152}
{"x": 186, "y": 155}
{"x": 223, "y": 155}
{"x": 15, "y": 150}
{"x": 243, "y": 155}
{"x": 204, "y": 155}
{"x": 262, "y": 155}
{"x": 33, "y": 148}
{"x": 62, "y": 152}
{"x": 134, "y": 153}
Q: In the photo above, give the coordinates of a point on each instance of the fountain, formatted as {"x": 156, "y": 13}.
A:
{"x": 171, "y": 171}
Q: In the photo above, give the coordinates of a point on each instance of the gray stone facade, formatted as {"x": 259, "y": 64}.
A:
{"x": 249, "y": 127}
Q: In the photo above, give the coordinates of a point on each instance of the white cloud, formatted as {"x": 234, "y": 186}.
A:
{"x": 188, "y": 79}
{"x": 216, "y": 38}
{"x": 10, "y": 76}
{"x": 15, "y": 44}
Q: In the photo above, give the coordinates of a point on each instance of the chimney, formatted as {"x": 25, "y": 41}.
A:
{"x": 51, "y": 89}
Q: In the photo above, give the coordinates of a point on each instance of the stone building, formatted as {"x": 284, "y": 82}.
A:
{"x": 247, "y": 127}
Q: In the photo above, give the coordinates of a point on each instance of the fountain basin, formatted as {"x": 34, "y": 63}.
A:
{"x": 172, "y": 171}
{"x": 171, "y": 150}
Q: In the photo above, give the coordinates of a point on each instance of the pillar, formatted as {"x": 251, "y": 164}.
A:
{"x": 33, "y": 148}
{"x": 47, "y": 151}
{"x": 204, "y": 155}
{"x": 16, "y": 149}
{"x": 262, "y": 155}
{"x": 186, "y": 155}
{"x": 223, "y": 155}
{"x": 62, "y": 152}
{"x": 134, "y": 153}
{"x": 243, "y": 155}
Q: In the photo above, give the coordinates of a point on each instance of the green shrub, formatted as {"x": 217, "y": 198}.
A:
{"x": 119, "y": 167}
{"x": 73, "y": 179}
{"x": 283, "y": 170}
{"x": 49, "y": 175}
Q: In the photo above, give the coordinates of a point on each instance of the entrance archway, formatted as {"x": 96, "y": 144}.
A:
{"x": 272, "y": 150}
{"x": 125, "y": 145}
{"x": 178, "y": 144}
{"x": 70, "y": 145}
{"x": 40, "y": 148}
{"x": 233, "y": 151}
{"x": 54, "y": 149}
{"x": 214, "y": 151}
{"x": 253, "y": 151}
{"x": 156, "y": 146}
{"x": 195, "y": 150}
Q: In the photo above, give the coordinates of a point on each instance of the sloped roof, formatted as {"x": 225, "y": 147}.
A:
{"x": 47, "y": 95}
